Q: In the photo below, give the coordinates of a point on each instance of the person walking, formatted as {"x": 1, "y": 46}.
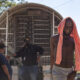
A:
{"x": 62, "y": 47}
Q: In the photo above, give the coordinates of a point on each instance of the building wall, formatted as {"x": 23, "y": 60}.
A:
{"x": 37, "y": 22}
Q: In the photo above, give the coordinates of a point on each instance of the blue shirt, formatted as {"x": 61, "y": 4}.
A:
{"x": 4, "y": 61}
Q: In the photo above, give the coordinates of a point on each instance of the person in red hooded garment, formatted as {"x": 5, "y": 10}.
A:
{"x": 63, "y": 47}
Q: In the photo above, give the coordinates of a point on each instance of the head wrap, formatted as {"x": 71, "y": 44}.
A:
{"x": 75, "y": 36}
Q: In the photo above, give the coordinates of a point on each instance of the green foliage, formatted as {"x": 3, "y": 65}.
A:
{"x": 5, "y": 4}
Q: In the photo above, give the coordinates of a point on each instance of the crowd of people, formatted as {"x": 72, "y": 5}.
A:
{"x": 64, "y": 46}
{"x": 30, "y": 56}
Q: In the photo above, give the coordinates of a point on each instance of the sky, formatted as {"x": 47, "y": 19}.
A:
{"x": 67, "y": 8}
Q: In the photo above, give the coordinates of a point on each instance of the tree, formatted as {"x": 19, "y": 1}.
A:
{"x": 5, "y": 4}
{"x": 21, "y": 1}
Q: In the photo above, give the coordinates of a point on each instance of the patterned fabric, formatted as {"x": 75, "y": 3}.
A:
{"x": 76, "y": 38}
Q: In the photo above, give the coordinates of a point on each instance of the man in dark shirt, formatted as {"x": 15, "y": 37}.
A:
{"x": 5, "y": 68}
{"x": 30, "y": 55}
{"x": 61, "y": 70}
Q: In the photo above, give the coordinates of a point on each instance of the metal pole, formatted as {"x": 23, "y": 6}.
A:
{"x": 14, "y": 36}
{"x": 6, "y": 34}
{"x": 53, "y": 24}
{"x": 32, "y": 30}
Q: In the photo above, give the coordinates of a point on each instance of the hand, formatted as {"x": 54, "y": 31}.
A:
{"x": 14, "y": 55}
{"x": 8, "y": 57}
{"x": 38, "y": 59}
{"x": 9, "y": 77}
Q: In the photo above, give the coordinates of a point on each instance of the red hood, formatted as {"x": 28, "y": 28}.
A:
{"x": 75, "y": 36}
